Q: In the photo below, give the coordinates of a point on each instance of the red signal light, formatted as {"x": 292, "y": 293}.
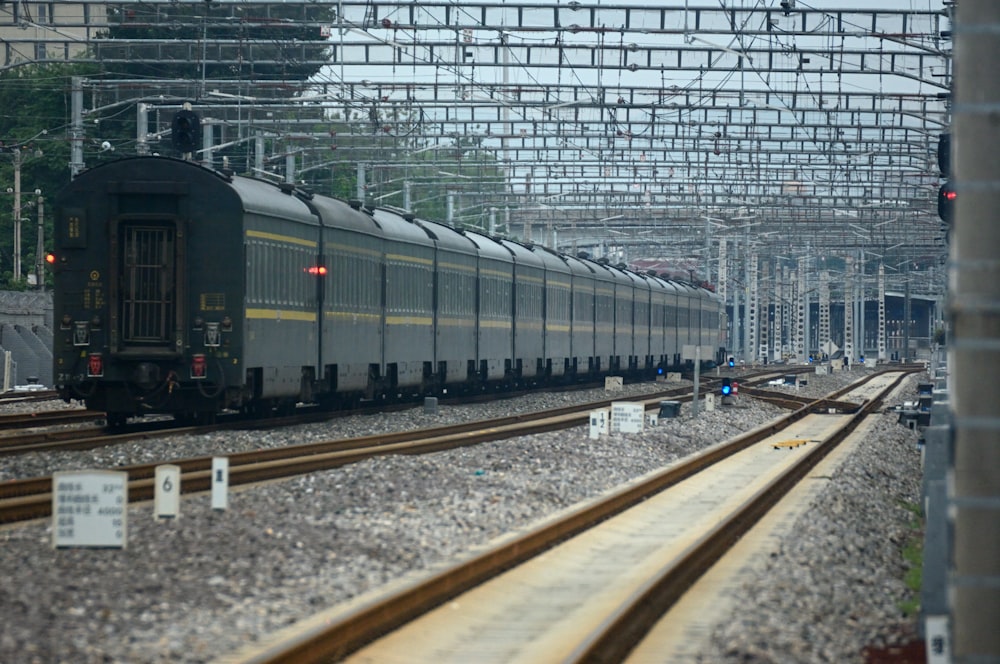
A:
{"x": 317, "y": 270}
{"x": 947, "y": 196}
{"x": 50, "y": 258}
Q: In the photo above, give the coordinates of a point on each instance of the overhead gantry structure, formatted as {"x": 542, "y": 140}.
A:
{"x": 784, "y": 128}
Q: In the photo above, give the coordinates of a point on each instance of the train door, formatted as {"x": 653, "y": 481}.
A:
{"x": 145, "y": 295}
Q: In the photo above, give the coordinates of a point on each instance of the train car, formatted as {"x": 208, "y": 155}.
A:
{"x": 455, "y": 277}
{"x": 557, "y": 316}
{"x": 350, "y": 300}
{"x": 494, "y": 320}
{"x": 583, "y": 360}
{"x": 529, "y": 314}
{"x": 188, "y": 291}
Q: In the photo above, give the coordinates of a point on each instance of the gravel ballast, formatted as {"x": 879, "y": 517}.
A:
{"x": 204, "y": 585}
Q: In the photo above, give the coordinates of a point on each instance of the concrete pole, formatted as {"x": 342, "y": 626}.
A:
{"x": 750, "y": 307}
{"x": 17, "y": 214}
{"x": 975, "y": 350}
{"x": 862, "y": 266}
{"x": 40, "y": 246}
{"x": 737, "y": 318}
{"x": 881, "y": 314}
{"x": 208, "y": 142}
{"x": 824, "y": 310}
{"x": 849, "y": 301}
{"x": 76, "y": 133}
{"x": 359, "y": 191}
{"x": 142, "y": 129}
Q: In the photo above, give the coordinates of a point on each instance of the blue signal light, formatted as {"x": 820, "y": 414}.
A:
{"x": 727, "y": 387}
{"x": 732, "y": 361}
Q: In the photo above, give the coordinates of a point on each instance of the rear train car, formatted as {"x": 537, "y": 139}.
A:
{"x": 153, "y": 310}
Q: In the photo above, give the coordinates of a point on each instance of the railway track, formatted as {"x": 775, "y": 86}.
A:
{"x": 47, "y": 418}
{"x": 46, "y": 434}
{"x": 26, "y": 499}
{"x": 31, "y": 498}
{"x": 595, "y": 595}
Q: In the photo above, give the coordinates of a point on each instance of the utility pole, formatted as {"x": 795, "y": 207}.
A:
{"x": 17, "y": 213}
{"x": 40, "y": 247}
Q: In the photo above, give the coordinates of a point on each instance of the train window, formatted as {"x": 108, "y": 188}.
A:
{"x": 367, "y": 283}
{"x": 349, "y": 279}
{"x": 289, "y": 289}
{"x": 252, "y": 272}
{"x": 444, "y": 303}
{"x": 256, "y": 272}
{"x": 268, "y": 268}
{"x": 274, "y": 258}
{"x": 282, "y": 269}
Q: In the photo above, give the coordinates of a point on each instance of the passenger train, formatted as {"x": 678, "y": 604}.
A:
{"x": 185, "y": 290}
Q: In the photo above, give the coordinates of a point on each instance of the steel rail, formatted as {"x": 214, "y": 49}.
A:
{"x": 333, "y": 638}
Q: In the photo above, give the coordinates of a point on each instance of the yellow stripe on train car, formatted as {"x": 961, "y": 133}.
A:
{"x": 283, "y": 238}
{"x": 408, "y": 320}
{"x": 458, "y": 267}
{"x": 353, "y": 315}
{"x": 408, "y": 259}
{"x": 496, "y": 273}
{"x": 281, "y": 314}
{"x": 456, "y": 322}
{"x": 495, "y": 324}
{"x": 357, "y": 251}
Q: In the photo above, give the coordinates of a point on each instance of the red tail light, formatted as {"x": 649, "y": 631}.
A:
{"x": 198, "y": 366}
{"x": 95, "y": 365}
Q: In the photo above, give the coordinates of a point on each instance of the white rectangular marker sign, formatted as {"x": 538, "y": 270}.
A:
{"x": 167, "y": 496}
{"x": 220, "y": 483}
{"x": 599, "y": 423}
{"x": 626, "y": 417}
{"x": 89, "y": 509}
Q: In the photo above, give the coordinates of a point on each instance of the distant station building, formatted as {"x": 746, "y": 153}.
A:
{"x": 33, "y": 32}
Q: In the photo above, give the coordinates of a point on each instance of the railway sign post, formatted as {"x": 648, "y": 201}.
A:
{"x": 599, "y": 423}
{"x": 89, "y": 509}
{"x": 167, "y": 495}
{"x": 220, "y": 483}
{"x": 627, "y": 417}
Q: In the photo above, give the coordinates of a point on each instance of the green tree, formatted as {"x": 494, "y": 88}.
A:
{"x": 35, "y": 103}
{"x": 239, "y": 41}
